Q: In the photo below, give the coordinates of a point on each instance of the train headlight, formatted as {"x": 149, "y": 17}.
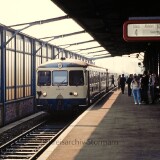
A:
{"x": 75, "y": 93}
{"x": 44, "y": 94}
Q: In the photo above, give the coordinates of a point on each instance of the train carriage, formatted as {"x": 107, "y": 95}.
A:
{"x": 69, "y": 84}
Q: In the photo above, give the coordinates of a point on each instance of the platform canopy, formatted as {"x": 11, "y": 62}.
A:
{"x": 43, "y": 20}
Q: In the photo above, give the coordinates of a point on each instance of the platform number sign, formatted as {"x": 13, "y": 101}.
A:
{"x": 141, "y": 30}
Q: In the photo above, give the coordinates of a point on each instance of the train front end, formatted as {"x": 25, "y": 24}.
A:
{"x": 61, "y": 86}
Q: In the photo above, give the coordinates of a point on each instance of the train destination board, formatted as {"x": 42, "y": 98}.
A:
{"x": 141, "y": 30}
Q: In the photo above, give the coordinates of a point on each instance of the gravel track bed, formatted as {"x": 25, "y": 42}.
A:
{"x": 19, "y": 129}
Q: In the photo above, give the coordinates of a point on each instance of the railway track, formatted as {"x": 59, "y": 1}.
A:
{"x": 31, "y": 144}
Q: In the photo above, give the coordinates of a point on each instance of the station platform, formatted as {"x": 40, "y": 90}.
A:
{"x": 114, "y": 129}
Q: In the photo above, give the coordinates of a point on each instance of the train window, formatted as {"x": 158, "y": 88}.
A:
{"x": 60, "y": 78}
{"x": 44, "y": 78}
{"x": 76, "y": 78}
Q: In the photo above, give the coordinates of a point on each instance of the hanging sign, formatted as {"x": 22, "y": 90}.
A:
{"x": 141, "y": 30}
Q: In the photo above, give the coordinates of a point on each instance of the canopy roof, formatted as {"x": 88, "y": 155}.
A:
{"x": 104, "y": 20}
{"x": 44, "y": 20}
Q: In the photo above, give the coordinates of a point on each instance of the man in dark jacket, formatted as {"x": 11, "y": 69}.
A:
{"x": 144, "y": 86}
{"x": 129, "y": 80}
{"x": 122, "y": 83}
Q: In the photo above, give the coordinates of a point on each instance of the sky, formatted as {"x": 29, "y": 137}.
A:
{"x": 22, "y": 11}
{"x": 121, "y": 65}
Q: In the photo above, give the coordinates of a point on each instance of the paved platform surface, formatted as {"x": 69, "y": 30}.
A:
{"x": 114, "y": 129}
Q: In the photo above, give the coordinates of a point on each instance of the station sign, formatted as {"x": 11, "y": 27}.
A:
{"x": 141, "y": 30}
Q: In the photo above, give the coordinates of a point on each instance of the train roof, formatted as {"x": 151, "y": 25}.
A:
{"x": 64, "y": 62}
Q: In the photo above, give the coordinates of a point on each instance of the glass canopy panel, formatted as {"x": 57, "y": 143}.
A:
{"x": 20, "y": 12}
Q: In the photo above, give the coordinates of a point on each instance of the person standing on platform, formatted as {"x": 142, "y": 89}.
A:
{"x": 118, "y": 81}
{"x": 112, "y": 81}
{"x": 122, "y": 83}
{"x": 145, "y": 87}
{"x": 152, "y": 81}
{"x": 135, "y": 85}
{"x": 129, "y": 80}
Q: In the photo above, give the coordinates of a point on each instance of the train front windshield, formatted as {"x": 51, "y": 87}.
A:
{"x": 76, "y": 78}
{"x": 60, "y": 78}
{"x": 44, "y": 78}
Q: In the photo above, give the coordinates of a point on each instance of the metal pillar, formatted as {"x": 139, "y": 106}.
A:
{"x": 33, "y": 62}
{"x": 3, "y": 74}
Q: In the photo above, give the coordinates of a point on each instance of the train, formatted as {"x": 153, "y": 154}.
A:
{"x": 69, "y": 84}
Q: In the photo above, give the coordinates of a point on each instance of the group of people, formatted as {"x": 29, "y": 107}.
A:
{"x": 139, "y": 86}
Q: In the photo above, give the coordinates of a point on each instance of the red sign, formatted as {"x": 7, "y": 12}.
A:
{"x": 141, "y": 30}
